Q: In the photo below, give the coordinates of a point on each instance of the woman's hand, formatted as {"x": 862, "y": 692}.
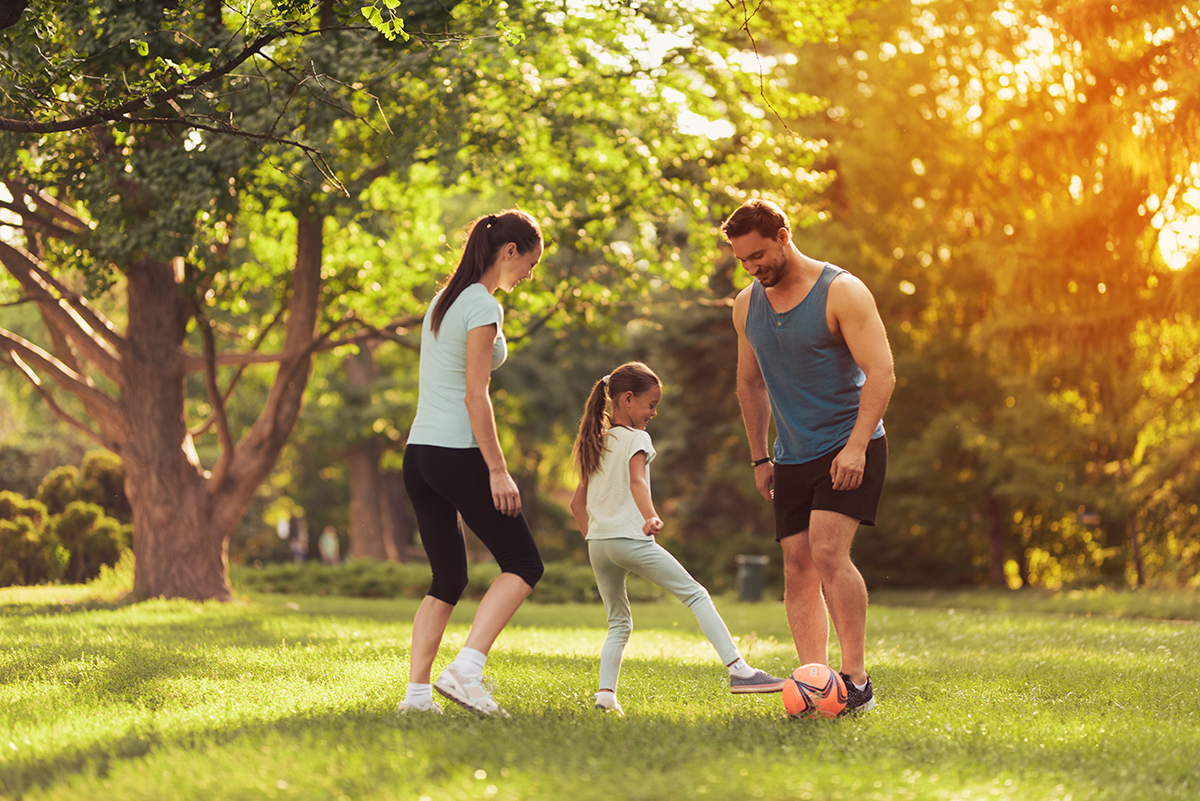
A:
{"x": 505, "y": 494}
{"x": 652, "y": 526}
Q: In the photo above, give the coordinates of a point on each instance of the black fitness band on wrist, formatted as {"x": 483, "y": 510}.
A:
{"x": 760, "y": 461}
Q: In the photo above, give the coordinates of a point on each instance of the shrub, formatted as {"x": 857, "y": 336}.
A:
{"x": 28, "y": 554}
{"x": 563, "y": 581}
{"x": 92, "y": 538}
{"x": 99, "y": 480}
{"x": 102, "y": 482}
{"x": 13, "y": 506}
{"x": 59, "y": 488}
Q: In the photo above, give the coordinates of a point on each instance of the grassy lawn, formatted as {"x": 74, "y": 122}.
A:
{"x": 294, "y": 697}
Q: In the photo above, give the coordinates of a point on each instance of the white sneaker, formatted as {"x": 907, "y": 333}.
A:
{"x": 405, "y": 708}
{"x": 473, "y": 694}
{"x": 616, "y": 706}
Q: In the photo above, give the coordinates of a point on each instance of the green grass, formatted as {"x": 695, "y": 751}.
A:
{"x": 294, "y": 697}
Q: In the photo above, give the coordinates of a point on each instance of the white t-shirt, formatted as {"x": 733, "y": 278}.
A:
{"x": 612, "y": 513}
{"x": 442, "y": 417}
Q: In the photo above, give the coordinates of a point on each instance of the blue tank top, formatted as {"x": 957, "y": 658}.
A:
{"x": 813, "y": 382}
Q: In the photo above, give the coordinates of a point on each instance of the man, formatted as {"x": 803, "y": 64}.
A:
{"x": 813, "y": 353}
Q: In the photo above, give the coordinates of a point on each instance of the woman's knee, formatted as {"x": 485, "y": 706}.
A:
{"x": 448, "y": 589}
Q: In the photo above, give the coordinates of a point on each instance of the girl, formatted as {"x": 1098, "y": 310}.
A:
{"x": 453, "y": 464}
{"x": 615, "y": 512}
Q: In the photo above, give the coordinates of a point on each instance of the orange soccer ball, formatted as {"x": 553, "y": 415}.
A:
{"x": 814, "y": 691}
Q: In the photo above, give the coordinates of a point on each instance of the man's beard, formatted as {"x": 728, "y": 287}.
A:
{"x": 774, "y": 271}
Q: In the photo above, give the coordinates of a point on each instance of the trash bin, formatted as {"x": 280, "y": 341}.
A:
{"x": 751, "y": 576}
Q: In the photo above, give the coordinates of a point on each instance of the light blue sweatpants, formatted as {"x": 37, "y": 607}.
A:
{"x": 612, "y": 561}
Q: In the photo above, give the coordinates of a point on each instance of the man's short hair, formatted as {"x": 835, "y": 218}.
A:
{"x": 757, "y": 215}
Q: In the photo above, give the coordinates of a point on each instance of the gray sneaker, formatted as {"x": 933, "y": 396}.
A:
{"x": 474, "y": 694}
{"x": 760, "y": 682}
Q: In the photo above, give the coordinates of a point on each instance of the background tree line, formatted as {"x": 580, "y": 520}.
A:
{"x": 1017, "y": 185}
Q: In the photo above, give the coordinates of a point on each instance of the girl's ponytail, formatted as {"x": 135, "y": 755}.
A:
{"x": 589, "y": 443}
{"x": 488, "y": 235}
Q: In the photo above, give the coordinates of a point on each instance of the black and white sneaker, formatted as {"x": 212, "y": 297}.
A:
{"x": 857, "y": 701}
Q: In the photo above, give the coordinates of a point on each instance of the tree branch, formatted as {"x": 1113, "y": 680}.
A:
{"x": 102, "y": 407}
{"x": 47, "y": 203}
{"x": 214, "y": 396}
{"x": 322, "y": 343}
{"x": 59, "y": 411}
{"x": 76, "y": 320}
{"x": 120, "y": 113}
{"x": 233, "y": 382}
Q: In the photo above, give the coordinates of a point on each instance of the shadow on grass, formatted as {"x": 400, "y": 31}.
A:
{"x": 562, "y": 738}
{"x": 43, "y": 609}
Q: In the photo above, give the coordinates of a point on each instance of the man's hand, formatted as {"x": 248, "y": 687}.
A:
{"x": 847, "y": 468}
{"x": 764, "y": 479}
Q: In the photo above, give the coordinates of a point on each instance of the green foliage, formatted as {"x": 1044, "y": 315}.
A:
{"x": 93, "y": 539}
{"x": 100, "y": 480}
{"x": 563, "y": 582}
{"x": 59, "y": 488}
{"x": 1009, "y": 241}
{"x": 62, "y": 534}
{"x": 29, "y": 553}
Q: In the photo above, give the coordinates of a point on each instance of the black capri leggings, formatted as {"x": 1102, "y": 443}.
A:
{"x": 445, "y": 482}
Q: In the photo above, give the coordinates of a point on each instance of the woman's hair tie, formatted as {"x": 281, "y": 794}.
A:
{"x": 490, "y": 221}
{"x": 605, "y": 379}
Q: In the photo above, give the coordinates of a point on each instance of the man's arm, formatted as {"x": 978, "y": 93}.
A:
{"x": 752, "y": 397}
{"x": 858, "y": 324}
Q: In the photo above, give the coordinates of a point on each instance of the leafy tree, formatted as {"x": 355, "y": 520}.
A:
{"x": 188, "y": 174}
{"x": 1009, "y": 234}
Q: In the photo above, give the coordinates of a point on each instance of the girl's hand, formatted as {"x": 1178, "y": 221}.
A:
{"x": 505, "y": 494}
{"x": 652, "y": 526}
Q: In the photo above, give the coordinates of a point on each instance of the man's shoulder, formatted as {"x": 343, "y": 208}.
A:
{"x": 741, "y": 304}
{"x": 849, "y": 288}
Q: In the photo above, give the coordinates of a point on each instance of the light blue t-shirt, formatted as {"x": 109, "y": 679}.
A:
{"x": 612, "y": 513}
{"x": 442, "y": 417}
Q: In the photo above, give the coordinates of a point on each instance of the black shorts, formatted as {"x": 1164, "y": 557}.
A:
{"x": 801, "y": 488}
{"x": 443, "y": 483}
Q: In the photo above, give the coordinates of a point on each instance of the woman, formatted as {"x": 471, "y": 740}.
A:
{"x": 453, "y": 464}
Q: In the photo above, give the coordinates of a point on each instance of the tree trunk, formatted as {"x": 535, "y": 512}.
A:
{"x": 996, "y": 540}
{"x": 1135, "y": 549}
{"x": 370, "y": 521}
{"x": 182, "y": 515}
{"x": 177, "y": 551}
{"x": 370, "y": 530}
{"x": 404, "y": 522}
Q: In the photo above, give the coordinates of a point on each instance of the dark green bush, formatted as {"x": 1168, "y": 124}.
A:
{"x": 91, "y": 537}
{"x": 102, "y": 482}
{"x": 563, "y": 582}
{"x": 99, "y": 480}
{"x": 59, "y": 488}
{"x": 28, "y": 553}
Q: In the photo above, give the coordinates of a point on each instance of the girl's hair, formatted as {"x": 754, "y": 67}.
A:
{"x": 760, "y": 216}
{"x": 632, "y": 377}
{"x": 488, "y": 235}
